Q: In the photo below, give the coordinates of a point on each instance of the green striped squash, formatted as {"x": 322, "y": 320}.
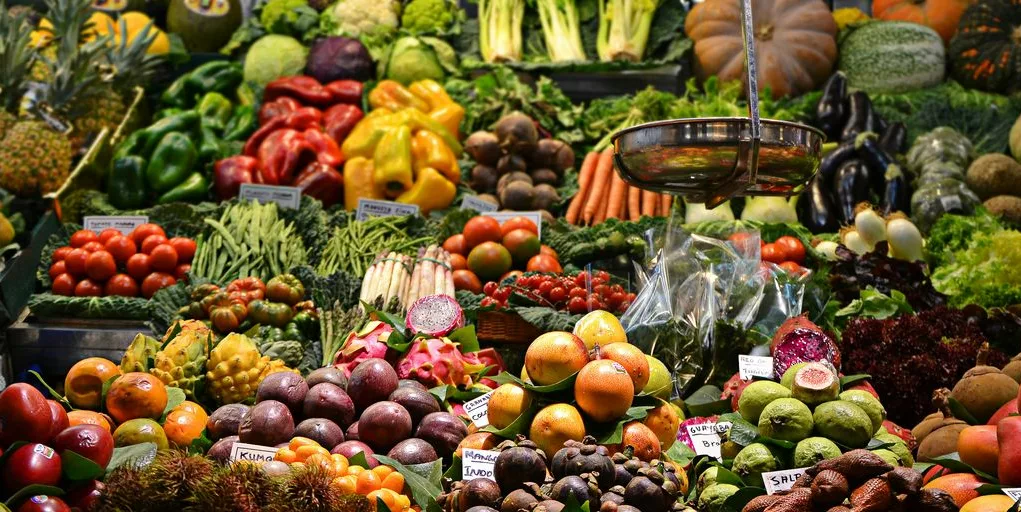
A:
{"x": 892, "y": 57}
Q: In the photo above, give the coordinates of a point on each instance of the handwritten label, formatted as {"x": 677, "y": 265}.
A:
{"x": 707, "y": 438}
{"x": 1013, "y": 492}
{"x": 252, "y": 453}
{"x": 777, "y": 481}
{"x": 755, "y": 366}
{"x": 502, "y": 217}
{"x": 477, "y": 464}
{"x": 478, "y": 204}
{"x": 368, "y": 208}
{"x": 123, "y": 223}
{"x": 478, "y": 410}
{"x": 284, "y": 197}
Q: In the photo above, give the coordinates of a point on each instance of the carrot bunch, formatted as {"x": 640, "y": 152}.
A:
{"x": 602, "y": 194}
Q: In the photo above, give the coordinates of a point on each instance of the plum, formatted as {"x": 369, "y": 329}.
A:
{"x": 225, "y": 421}
{"x": 330, "y": 374}
{"x": 90, "y": 441}
{"x": 285, "y": 387}
{"x": 413, "y": 451}
{"x": 350, "y": 448}
{"x": 320, "y": 430}
{"x": 443, "y": 431}
{"x": 418, "y": 403}
{"x": 383, "y": 425}
{"x": 328, "y": 401}
{"x": 267, "y": 424}
{"x": 371, "y": 381}
{"x": 31, "y": 464}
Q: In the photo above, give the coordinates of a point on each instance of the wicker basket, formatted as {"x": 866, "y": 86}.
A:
{"x": 500, "y": 327}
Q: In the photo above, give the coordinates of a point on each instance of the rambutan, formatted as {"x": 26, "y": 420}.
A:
{"x": 308, "y": 488}
{"x": 125, "y": 491}
{"x": 172, "y": 477}
{"x": 234, "y": 488}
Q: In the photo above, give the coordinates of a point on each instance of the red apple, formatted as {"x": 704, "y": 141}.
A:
{"x": 31, "y": 464}
{"x": 90, "y": 441}
{"x": 85, "y": 496}
{"x": 44, "y": 504}
{"x": 58, "y": 418}
{"x": 24, "y": 415}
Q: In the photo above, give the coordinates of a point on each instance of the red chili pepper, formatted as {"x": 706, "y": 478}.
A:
{"x": 327, "y": 151}
{"x": 345, "y": 91}
{"x": 321, "y": 182}
{"x": 255, "y": 141}
{"x": 305, "y": 89}
{"x": 230, "y": 173}
{"x": 339, "y": 120}
{"x": 277, "y": 108}
{"x": 305, "y": 118}
{"x": 281, "y": 155}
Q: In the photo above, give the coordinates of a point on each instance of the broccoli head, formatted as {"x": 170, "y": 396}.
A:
{"x": 428, "y": 16}
{"x": 288, "y": 17}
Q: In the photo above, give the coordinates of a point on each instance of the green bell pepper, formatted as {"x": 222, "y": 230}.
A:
{"x": 177, "y": 95}
{"x": 219, "y": 76}
{"x": 193, "y": 189}
{"x": 167, "y": 112}
{"x": 248, "y": 95}
{"x": 131, "y": 145}
{"x": 242, "y": 124}
{"x": 209, "y": 142}
{"x": 215, "y": 109}
{"x": 171, "y": 162}
{"x": 270, "y": 333}
{"x": 185, "y": 122}
{"x": 306, "y": 323}
{"x": 126, "y": 184}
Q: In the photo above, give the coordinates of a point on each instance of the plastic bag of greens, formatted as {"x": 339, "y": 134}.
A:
{"x": 940, "y": 145}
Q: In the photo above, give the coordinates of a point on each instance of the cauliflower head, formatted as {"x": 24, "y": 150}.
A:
{"x": 427, "y": 16}
{"x": 356, "y": 18}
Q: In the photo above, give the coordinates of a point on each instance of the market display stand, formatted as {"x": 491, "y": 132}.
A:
{"x": 54, "y": 345}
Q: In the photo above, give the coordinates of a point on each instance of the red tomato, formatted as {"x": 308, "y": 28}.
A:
{"x": 518, "y": 223}
{"x": 63, "y": 285}
{"x": 138, "y": 266}
{"x": 121, "y": 247}
{"x": 82, "y": 237}
{"x": 107, "y": 234}
{"x": 773, "y": 253}
{"x": 163, "y": 258}
{"x": 100, "y": 266}
{"x": 155, "y": 281}
{"x": 458, "y": 262}
{"x": 545, "y": 249}
{"x": 793, "y": 247}
{"x": 57, "y": 268}
{"x": 481, "y": 229}
{"x": 185, "y": 248}
{"x": 144, "y": 231}
{"x": 75, "y": 261}
{"x": 122, "y": 284}
{"x": 151, "y": 242}
{"x": 93, "y": 246}
{"x": 543, "y": 263}
{"x": 88, "y": 288}
{"x": 181, "y": 272}
{"x": 467, "y": 280}
{"x": 60, "y": 253}
{"x": 792, "y": 268}
{"x": 455, "y": 245}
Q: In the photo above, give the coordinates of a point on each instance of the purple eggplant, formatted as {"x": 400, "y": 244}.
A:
{"x": 851, "y": 187}
{"x": 861, "y": 118}
{"x": 815, "y": 208}
{"x": 876, "y": 159}
{"x": 894, "y": 138}
{"x": 833, "y": 160}
{"x": 830, "y": 111}
{"x": 897, "y": 194}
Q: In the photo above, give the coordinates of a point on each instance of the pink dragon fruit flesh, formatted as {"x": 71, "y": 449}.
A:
{"x": 438, "y": 361}
{"x": 367, "y": 343}
{"x": 435, "y": 315}
{"x": 803, "y": 346}
{"x": 682, "y": 433}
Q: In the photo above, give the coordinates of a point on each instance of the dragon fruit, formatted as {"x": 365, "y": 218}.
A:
{"x": 367, "y": 343}
{"x": 682, "y": 432}
{"x": 489, "y": 358}
{"x": 799, "y": 340}
{"x": 901, "y": 432}
{"x": 435, "y": 316}
{"x": 733, "y": 389}
{"x": 438, "y": 361}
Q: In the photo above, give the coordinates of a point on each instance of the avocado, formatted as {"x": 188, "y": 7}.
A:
{"x": 205, "y": 26}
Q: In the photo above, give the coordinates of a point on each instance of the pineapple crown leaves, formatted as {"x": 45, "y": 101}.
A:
{"x": 131, "y": 64}
{"x": 75, "y": 73}
{"x": 16, "y": 58}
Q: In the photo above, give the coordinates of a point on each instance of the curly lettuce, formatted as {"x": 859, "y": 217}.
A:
{"x": 986, "y": 273}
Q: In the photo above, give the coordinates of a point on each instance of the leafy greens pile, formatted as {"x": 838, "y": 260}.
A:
{"x": 977, "y": 261}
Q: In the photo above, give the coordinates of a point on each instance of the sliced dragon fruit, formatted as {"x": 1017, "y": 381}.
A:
{"x": 803, "y": 344}
{"x": 682, "y": 432}
{"x": 367, "y": 343}
{"x": 797, "y": 322}
{"x": 438, "y": 361}
{"x": 435, "y": 315}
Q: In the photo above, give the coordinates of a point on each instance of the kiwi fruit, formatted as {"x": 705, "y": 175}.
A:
{"x": 984, "y": 389}
{"x": 942, "y": 439}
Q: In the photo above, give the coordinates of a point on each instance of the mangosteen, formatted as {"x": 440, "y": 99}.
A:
{"x": 480, "y": 492}
{"x": 518, "y": 499}
{"x": 519, "y": 464}
{"x": 578, "y": 458}
{"x": 611, "y": 497}
{"x": 482, "y": 508}
{"x": 621, "y": 476}
{"x": 642, "y": 492}
{"x": 575, "y": 485}
{"x": 549, "y": 506}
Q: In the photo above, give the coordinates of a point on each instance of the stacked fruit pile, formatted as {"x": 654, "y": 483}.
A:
{"x": 579, "y": 293}
{"x": 487, "y": 251}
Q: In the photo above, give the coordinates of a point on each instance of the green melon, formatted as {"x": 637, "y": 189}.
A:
{"x": 205, "y": 26}
{"x": 892, "y": 57}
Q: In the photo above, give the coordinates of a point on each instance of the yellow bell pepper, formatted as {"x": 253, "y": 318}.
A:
{"x": 432, "y": 92}
{"x": 419, "y": 120}
{"x": 429, "y": 150}
{"x": 394, "y": 96}
{"x": 392, "y": 161}
{"x": 431, "y": 191}
{"x": 450, "y": 117}
{"x": 367, "y": 133}
{"x": 358, "y": 182}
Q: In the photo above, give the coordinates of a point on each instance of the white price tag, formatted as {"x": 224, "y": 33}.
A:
{"x": 284, "y": 197}
{"x": 1013, "y": 492}
{"x": 477, "y": 464}
{"x": 478, "y": 410}
{"x": 951, "y": 203}
{"x": 368, "y": 208}
{"x": 755, "y": 366}
{"x": 478, "y": 204}
{"x": 534, "y": 216}
{"x": 777, "y": 481}
{"x": 123, "y": 223}
{"x": 707, "y": 438}
{"x": 252, "y": 453}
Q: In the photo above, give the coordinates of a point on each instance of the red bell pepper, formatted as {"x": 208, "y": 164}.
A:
{"x": 345, "y": 91}
{"x": 305, "y": 89}
{"x": 327, "y": 150}
{"x": 321, "y": 182}
{"x": 281, "y": 155}
{"x": 305, "y": 118}
{"x": 255, "y": 141}
{"x": 230, "y": 173}
{"x": 339, "y": 120}
{"x": 277, "y": 108}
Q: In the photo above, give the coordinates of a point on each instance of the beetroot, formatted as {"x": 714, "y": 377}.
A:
{"x": 368, "y": 343}
{"x": 435, "y": 315}
{"x": 438, "y": 361}
{"x": 798, "y": 340}
{"x": 682, "y": 432}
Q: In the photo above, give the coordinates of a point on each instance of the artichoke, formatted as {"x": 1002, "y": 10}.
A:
{"x": 136, "y": 357}
{"x": 182, "y": 362}
{"x": 289, "y": 351}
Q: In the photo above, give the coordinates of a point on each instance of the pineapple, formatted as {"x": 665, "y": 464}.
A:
{"x": 182, "y": 362}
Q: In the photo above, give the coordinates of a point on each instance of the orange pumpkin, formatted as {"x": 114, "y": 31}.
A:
{"x": 939, "y": 15}
{"x": 795, "y": 41}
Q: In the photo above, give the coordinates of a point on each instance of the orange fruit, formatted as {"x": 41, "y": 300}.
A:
{"x": 962, "y": 486}
{"x": 298, "y": 442}
{"x": 306, "y": 451}
{"x": 555, "y": 356}
{"x": 368, "y": 481}
{"x": 604, "y": 390}
{"x": 554, "y": 425}
{"x": 507, "y": 403}
{"x": 346, "y": 484}
{"x": 286, "y": 455}
{"x": 478, "y": 441}
{"x": 193, "y": 408}
{"x": 631, "y": 358}
{"x": 386, "y": 495}
{"x": 991, "y": 503}
{"x": 978, "y": 447}
{"x": 394, "y": 481}
{"x": 646, "y": 445}
{"x": 84, "y": 382}
{"x": 136, "y": 395}
{"x": 183, "y": 427}
{"x": 664, "y": 422}
{"x": 80, "y": 417}
{"x": 382, "y": 471}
